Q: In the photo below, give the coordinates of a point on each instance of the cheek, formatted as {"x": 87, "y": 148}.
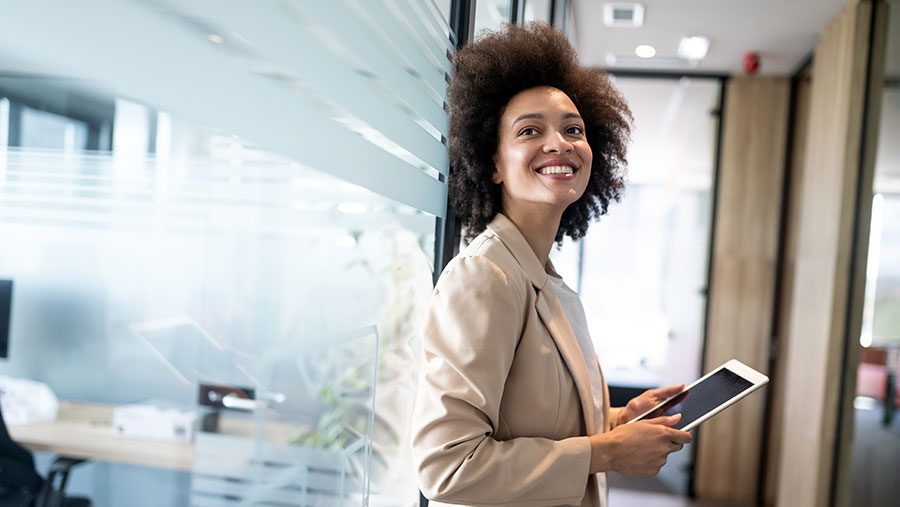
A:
{"x": 511, "y": 160}
{"x": 587, "y": 158}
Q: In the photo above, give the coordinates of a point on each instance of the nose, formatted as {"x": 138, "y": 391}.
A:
{"x": 557, "y": 143}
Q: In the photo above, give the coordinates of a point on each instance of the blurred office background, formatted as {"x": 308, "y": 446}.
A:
{"x": 242, "y": 194}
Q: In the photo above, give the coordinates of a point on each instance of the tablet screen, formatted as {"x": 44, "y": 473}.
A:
{"x": 703, "y": 397}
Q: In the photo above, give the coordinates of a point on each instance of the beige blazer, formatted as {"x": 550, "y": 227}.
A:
{"x": 504, "y": 397}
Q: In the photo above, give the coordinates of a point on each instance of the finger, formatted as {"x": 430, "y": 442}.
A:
{"x": 668, "y": 392}
{"x": 651, "y": 397}
{"x": 680, "y": 437}
{"x": 676, "y": 447}
{"x": 673, "y": 389}
{"x": 669, "y": 420}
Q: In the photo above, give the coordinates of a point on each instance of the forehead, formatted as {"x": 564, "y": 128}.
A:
{"x": 541, "y": 100}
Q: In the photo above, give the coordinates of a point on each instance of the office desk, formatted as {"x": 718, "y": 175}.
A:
{"x": 84, "y": 430}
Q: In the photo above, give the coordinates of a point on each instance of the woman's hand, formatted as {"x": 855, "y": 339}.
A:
{"x": 639, "y": 449}
{"x": 645, "y": 401}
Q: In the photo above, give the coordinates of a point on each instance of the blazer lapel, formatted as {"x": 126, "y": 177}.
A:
{"x": 607, "y": 424}
{"x": 550, "y": 311}
{"x": 554, "y": 317}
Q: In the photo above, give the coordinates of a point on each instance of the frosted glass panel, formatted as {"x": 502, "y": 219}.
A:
{"x": 368, "y": 79}
{"x": 320, "y": 458}
{"x": 226, "y": 185}
{"x": 136, "y": 278}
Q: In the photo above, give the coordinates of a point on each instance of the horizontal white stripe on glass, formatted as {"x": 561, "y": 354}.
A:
{"x": 249, "y": 195}
{"x": 360, "y": 44}
{"x": 143, "y": 54}
{"x": 429, "y": 14}
{"x": 401, "y": 14}
{"x": 295, "y": 55}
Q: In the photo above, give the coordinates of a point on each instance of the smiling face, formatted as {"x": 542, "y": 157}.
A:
{"x": 543, "y": 161}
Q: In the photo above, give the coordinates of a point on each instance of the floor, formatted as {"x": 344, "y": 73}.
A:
{"x": 876, "y": 458}
{"x": 649, "y": 492}
{"x": 630, "y": 498}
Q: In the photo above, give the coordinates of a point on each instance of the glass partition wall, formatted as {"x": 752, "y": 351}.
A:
{"x": 223, "y": 213}
{"x": 641, "y": 270}
{"x": 876, "y": 424}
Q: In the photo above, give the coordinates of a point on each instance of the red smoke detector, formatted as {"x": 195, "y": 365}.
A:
{"x": 751, "y": 62}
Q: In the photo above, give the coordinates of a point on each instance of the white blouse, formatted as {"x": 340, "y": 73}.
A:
{"x": 571, "y": 304}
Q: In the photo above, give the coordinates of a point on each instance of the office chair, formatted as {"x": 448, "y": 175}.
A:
{"x": 20, "y": 484}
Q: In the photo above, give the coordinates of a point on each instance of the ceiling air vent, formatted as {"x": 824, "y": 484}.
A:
{"x": 625, "y": 14}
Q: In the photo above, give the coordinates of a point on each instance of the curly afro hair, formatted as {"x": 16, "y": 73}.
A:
{"x": 488, "y": 73}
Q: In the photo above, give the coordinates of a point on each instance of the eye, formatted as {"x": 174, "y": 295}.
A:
{"x": 528, "y": 131}
{"x": 575, "y": 130}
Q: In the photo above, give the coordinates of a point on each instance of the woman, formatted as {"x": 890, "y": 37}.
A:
{"x": 512, "y": 407}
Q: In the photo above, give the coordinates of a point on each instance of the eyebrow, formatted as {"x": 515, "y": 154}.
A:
{"x": 540, "y": 116}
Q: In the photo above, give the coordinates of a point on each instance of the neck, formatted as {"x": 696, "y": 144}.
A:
{"x": 539, "y": 228}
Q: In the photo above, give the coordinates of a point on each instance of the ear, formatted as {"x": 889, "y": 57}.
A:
{"x": 495, "y": 176}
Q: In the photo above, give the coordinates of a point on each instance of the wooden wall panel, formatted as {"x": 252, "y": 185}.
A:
{"x": 794, "y": 180}
{"x": 743, "y": 277}
{"x": 821, "y": 270}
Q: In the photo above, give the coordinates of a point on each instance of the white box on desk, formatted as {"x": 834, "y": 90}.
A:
{"x": 154, "y": 423}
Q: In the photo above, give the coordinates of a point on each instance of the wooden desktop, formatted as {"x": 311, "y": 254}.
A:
{"x": 84, "y": 430}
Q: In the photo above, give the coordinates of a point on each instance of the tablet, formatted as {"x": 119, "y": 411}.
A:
{"x": 713, "y": 393}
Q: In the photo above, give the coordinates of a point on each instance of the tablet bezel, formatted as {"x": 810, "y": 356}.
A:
{"x": 738, "y": 368}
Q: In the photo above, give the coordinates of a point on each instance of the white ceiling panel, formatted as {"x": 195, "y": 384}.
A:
{"x": 784, "y": 32}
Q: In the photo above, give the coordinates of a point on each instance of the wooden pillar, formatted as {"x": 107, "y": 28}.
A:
{"x": 743, "y": 281}
{"x": 831, "y": 229}
{"x": 793, "y": 180}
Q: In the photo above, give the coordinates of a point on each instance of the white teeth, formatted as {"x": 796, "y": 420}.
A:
{"x": 556, "y": 169}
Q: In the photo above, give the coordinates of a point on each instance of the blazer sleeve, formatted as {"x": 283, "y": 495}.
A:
{"x": 472, "y": 328}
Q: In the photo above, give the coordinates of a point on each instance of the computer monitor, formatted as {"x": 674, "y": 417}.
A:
{"x": 5, "y": 311}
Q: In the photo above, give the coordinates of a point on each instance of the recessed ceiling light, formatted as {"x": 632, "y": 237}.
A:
{"x": 693, "y": 48}
{"x": 214, "y": 37}
{"x": 645, "y": 51}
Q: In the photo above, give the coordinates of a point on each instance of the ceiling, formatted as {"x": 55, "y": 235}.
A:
{"x": 784, "y": 33}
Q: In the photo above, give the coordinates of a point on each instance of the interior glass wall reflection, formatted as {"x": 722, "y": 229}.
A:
{"x": 137, "y": 278}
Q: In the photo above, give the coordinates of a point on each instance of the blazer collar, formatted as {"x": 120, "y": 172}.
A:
{"x": 550, "y": 311}
{"x": 511, "y": 237}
